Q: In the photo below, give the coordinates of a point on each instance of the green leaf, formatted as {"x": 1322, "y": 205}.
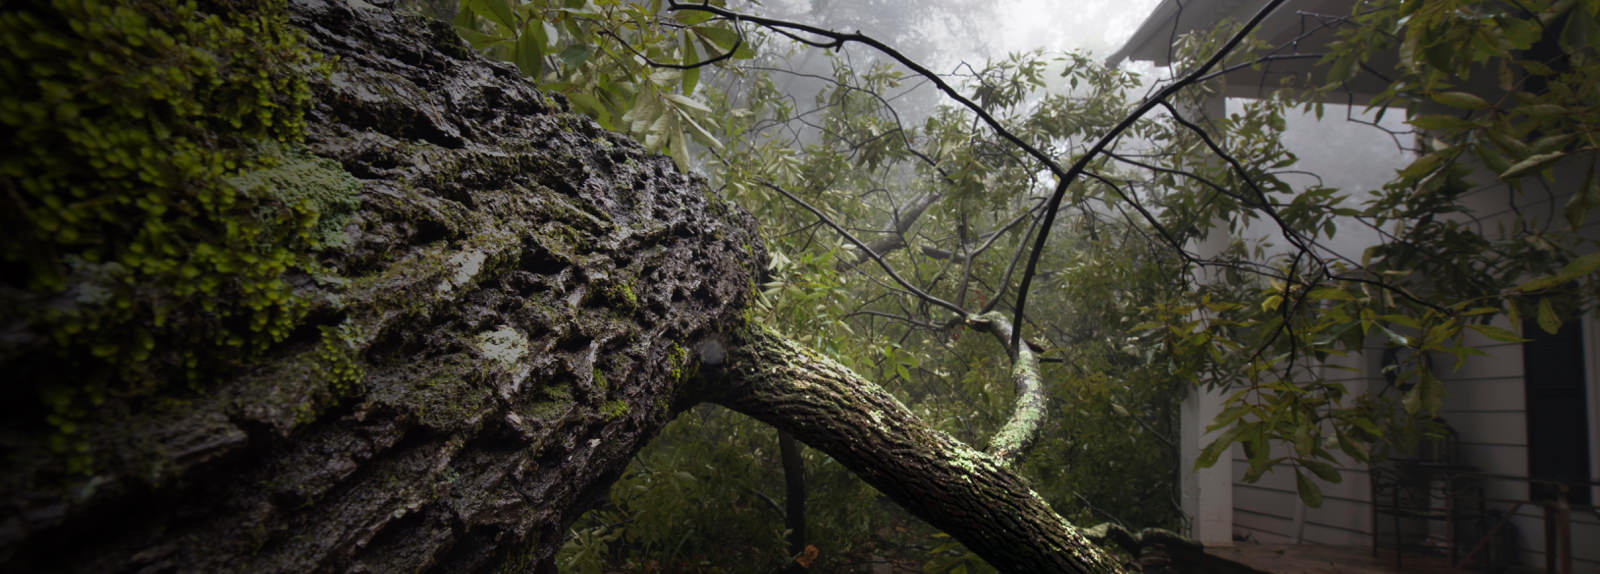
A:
{"x": 691, "y": 57}
{"x": 1365, "y": 425}
{"x": 1533, "y": 163}
{"x": 479, "y": 40}
{"x": 1575, "y": 35}
{"x": 678, "y": 147}
{"x": 719, "y": 39}
{"x": 1426, "y": 164}
{"x": 1502, "y": 137}
{"x": 592, "y": 106}
{"x": 687, "y": 102}
{"x": 692, "y": 17}
{"x": 530, "y": 54}
{"x": 1253, "y": 474}
{"x": 1582, "y": 266}
{"x": 1255, "y": 447}
{"x": 1429, "y": 390}
{"x": 1304, "y": 444}
{"x": 1441, "y": 123}
{"x": 1547, "y": 317}
{"x": 1543, "y": 110}
{"x": 1461, "y": 100}
{"x": 575, "y": 56}
{"x": 1342, "y": 69}
{"x": 1539, "y": 283}
{"x": 1323, "y": 470}
{"x": 1208, "y": 455}
{"x": 1497, "y": 333}
{"x": 705, "y": 137}
{"x": 1550, "y": 143}
{"x": 1309, "y": 491}
{"x": 551, "y": 36}
{"x": 1228, "y": 416}
{"x": 1577, "y": 208}
{"x": 1521, "y": 32}
{"x": 1491, "y": 157}
{"x": 1352, "y": 447}
{"x": 497, "y": 11}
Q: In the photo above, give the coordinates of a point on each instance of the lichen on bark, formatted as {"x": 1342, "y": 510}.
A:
{"x": 514, "y": 303}
{"x": 965, "y": 492}
{"x": 437, "y": 402}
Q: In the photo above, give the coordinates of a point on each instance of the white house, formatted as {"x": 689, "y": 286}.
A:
{"x": 1525, "y": 411}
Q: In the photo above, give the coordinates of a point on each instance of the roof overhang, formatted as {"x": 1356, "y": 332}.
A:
{"x": 1298, "y": 31}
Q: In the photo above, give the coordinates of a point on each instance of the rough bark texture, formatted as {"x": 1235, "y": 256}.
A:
{"x": 505, "y": 329}
{"x": 1027, "y": 417}
{"x": 960, "y": 490}
{"x": 508, "y": 322}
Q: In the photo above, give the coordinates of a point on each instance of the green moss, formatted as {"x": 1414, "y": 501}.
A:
{"x": 128, "y": 119}
{"x": 547, "y": 410}
{"x": 339, "y": 360}
{"x": 519, "y": 557}
{"x": 314, "y": 184}
{"x": 614, "y": 409}
{"x": 621, "y": 296}
{"x": 678, "y": 363}
{"x": 449, "y": 397}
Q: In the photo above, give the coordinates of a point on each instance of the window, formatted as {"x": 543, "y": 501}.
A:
{"x": 1557, "y": 409}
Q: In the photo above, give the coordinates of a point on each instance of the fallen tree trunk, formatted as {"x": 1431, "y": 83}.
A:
{"x": 503, "y": 328}
{"x": 520, "y": 304}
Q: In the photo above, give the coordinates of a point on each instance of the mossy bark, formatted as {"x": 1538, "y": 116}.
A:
{"x": 965, "y": 492}
{"x": 503, "y": 322}
{"x": 483, "y": 352}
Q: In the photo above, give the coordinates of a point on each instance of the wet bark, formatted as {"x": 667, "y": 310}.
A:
{"x": 519, "y": 308}
{"x": 514, "y": 301}
{"x": 965, "y": 492}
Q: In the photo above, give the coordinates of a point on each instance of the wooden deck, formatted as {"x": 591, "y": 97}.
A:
{"x": 1319, "y": 559}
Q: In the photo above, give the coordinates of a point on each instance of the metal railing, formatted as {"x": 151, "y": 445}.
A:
{"x": 1453, "y": 481}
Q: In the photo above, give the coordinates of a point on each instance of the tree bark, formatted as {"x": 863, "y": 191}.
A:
{"x": 508, "y": 324}
{"x": 965, "y": 492}
{"x": 514, "y": 302}
{"x": 794, "y": 498}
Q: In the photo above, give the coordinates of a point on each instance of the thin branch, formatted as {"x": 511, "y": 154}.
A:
{"x": 1083, "y": 162}
{"x": 863, "y": 246}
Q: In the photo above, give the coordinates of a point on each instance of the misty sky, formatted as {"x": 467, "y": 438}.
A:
{"x": 1349, "y": 156}
{"x": 1099, "y": 26}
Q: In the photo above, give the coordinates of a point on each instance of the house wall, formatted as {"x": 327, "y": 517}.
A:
{"x": 1485, "y": 404}
{"x": 1486, "y": 407}
{"x": 1270, "y": 510}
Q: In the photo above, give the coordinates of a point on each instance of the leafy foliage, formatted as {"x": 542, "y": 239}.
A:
{"x": 1443, "y": 270}
{"x": 914, "y": 221}
{"x": 626, "y": 64}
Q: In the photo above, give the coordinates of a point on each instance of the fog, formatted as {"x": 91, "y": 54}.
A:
{"x": 1343, "y": 149}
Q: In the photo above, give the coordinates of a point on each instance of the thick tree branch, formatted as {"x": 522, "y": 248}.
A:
{"x": 1028, "y": 414}
{"x": 966, "y": 493}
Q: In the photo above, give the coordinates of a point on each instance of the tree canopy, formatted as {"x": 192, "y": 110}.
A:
{"x": 1037, "y": 256}
{"x": 1070, "y": 198}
